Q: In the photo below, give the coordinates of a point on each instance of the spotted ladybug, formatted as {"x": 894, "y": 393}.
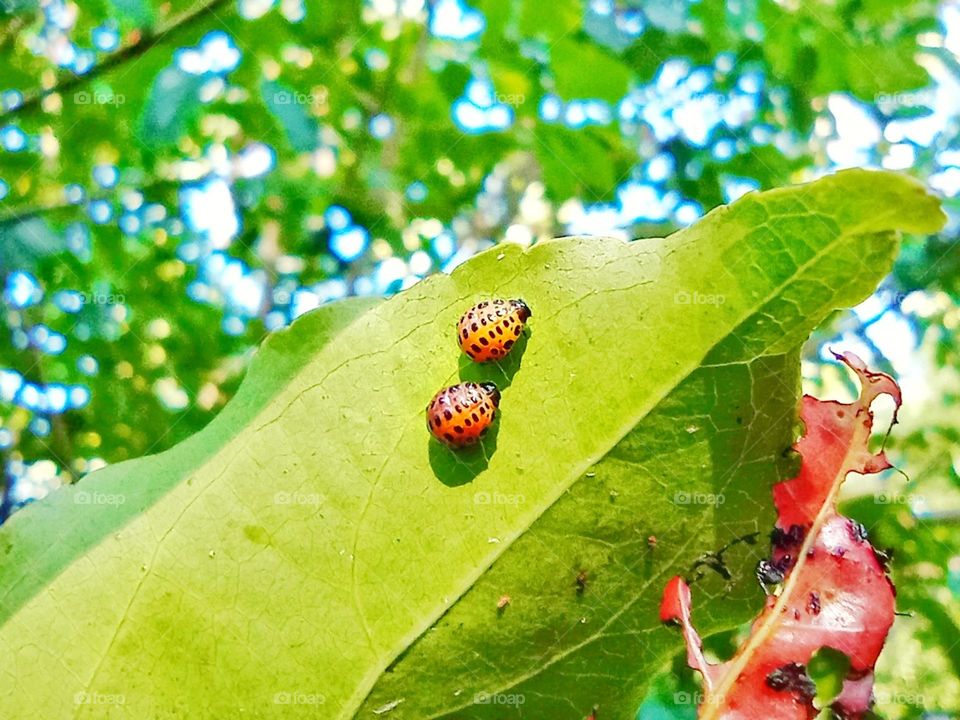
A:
{"x": 459, "y": 415}
{"x": 489, "y": 329}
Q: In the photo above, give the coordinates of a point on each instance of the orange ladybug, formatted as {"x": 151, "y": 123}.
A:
{"x": 489, "y": 329}
{"x": 460, "y": 414}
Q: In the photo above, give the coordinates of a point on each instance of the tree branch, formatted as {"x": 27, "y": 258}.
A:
{"x": 143, "y": 44}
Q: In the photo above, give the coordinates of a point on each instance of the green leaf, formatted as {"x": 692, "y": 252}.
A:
{"x": 314, "y": 545}
{"x": 828, "y": 668}
{"x": 288, "y": 106}
{"x": 550, "y": 21}
{"x": 12, "y": 7}
{"x": 575, "y": 161}
{"x": 608, "y": 77}
{"x": 23, "y": 242}
{"x": 174, "y": 103}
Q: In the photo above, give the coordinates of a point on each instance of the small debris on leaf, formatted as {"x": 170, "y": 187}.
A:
{"x": 384, "y": 709}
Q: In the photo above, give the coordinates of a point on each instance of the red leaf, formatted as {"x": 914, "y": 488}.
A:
{"x": 834, "y": 592}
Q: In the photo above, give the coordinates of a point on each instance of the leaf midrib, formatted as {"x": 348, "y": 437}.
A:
{"x": 774, "y": 615}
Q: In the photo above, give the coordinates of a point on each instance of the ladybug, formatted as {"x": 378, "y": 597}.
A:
{"x": 490, "y": 328}
{"x": 459, "y": 415}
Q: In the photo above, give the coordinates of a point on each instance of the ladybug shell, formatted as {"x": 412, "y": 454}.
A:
{"x": 459, "y": 415}
{"x": 490, "y": 328}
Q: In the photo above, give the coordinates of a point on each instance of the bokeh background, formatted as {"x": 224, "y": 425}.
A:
{"x": 180, "y": 178}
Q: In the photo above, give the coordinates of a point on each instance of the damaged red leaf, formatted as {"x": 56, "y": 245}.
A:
{"x": 834, "y": 591}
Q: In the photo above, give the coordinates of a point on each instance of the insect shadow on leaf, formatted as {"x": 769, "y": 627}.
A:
{"x": 500, "y": 372}
{"x": 458, "y": 467}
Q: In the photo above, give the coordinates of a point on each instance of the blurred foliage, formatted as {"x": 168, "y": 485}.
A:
{"x": 200, "y": 173}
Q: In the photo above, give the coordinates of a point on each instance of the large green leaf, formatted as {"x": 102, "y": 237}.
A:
{"x": 314, "y": 554}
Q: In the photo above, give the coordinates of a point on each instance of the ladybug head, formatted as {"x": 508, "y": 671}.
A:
{"x": 524, "y": 309}
{"x": 491, "y": 390}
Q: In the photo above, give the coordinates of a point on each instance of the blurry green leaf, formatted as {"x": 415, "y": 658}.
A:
{"x": 607, "y": 79}
{"x": 290, "y": 108}
{"x": 552, "y": 20}
{"x": 13, "y": 7}
{"x": 671, "y": 696}
{"x": 828, "y": 668}
{"x": 574, "y": 162}
{"x": 137, "y": 12}
{"x": 173, "y": 105}
{"x": 23, "y": 242}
